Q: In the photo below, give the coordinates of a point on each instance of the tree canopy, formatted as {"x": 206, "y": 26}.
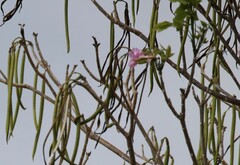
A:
{"x": 206, "y": 59}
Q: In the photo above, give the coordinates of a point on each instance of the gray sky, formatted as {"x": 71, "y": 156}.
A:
{"x": 47, "y": 19}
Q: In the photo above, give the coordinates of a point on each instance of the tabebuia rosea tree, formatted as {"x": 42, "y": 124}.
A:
{"x": 204, "y": 64}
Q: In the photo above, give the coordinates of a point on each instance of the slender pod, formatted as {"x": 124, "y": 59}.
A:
{"x": 232, "y": 136}
{"x": 18, "y": 90}
{"x": 167, "y": 152}
{"x": 183, "y": 42}
{"x": 34, "y": 101}
{"x": 9, "y": 121}
{"x": 66, "y": 25}
{"x": 40, "y": 118}
{"x": 133, "y": 12}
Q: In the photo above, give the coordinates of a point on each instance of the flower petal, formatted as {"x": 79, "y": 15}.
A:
{"x": 132, "y": 63}
{"x": 134, "y": 55}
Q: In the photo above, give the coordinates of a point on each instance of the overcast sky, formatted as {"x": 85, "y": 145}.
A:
{"x": 47, "y": 19}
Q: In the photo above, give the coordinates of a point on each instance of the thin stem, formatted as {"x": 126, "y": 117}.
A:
{"x": 225, "y": 98}
{"x": 26, "y": 86}
{"x": 119, "y": 23}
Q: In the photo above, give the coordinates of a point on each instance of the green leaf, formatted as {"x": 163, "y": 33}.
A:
{"x": 180, "y": 1}
{"x": 162, "y": 26}
{"x": 169, "y": 51}
{"x": 156, "y": 51}
{"x": 181, "y": 14}
{"x": 193, "y": 2}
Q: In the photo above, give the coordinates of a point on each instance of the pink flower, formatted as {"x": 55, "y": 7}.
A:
{"x": 134, "y": 55}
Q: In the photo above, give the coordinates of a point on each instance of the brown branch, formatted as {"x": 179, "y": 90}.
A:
{"x": 130, "y": 141}
{"x": 96, "y": 45}
{"x": 23, "y": 43}
{"x": 230, "y": 20}
{"x": 106, "y": 144}
{"x": 45, "y": 64}
{"x": 201, "y": 105}
{"x": 149, "y": 142}
{"x": 218, "y": 33}
{"x": 26, "y": 86}
{"x": 87, "y": 133}
{"x": 119, "y": 23}
{"x": 184, "y": 127}
{"x": 222, "y": 97}
{"x": 88, "y": 71}
{"x": 167, "y": 99}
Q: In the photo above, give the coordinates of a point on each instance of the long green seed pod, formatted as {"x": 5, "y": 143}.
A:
{"x": 18, "y": 90}
{"x": 9, "y": 121}
{"x": 232, "y": 138}
{"x": 66, "y": 25}
{"x": 167, "y": 153}
{"x": 185, "y": 34}
{"x": 40, "y": 118}
{"x": 34, "y": 101}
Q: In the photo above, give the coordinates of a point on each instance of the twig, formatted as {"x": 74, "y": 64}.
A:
{"x": 184, "y": 127}
{"x": 108, "y": 145}
{"x": 204, "y": 88}
{"x": 96, "y": 45}
{"x": 119, "y": 23}
{"x": 167, "y": 99}
{"x": 44, "y": 62}
{"x": 201, "y": 105}
{"x": 86, "y": 143}
{"x": 26, "y": 86}
{"x": 89, "y": 72}
{"x": 218, "y": 33}
{"x": 23, "y": 43}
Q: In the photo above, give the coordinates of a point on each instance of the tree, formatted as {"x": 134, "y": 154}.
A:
{"x": 206, "y": 56}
